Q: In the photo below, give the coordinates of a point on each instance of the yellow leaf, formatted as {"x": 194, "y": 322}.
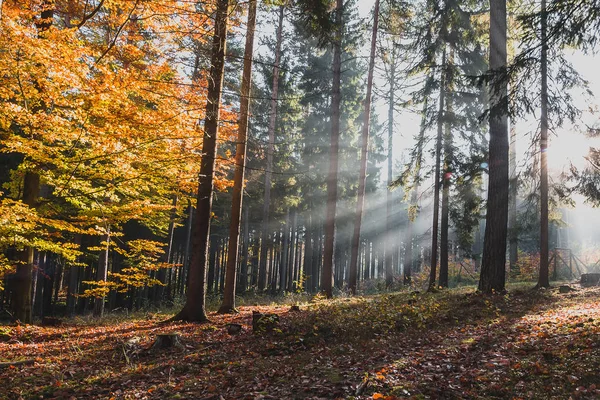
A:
{"x": 377, "y": 396}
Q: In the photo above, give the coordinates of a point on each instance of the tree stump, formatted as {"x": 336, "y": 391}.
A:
{"x": 588, "y": 280}
{"x": 263, "y": 322}
{"x": 51, "y": 321}
{"x": 566, "y": 289}
{"x": 234, "y": 329}
{"x": 166, "y": 341}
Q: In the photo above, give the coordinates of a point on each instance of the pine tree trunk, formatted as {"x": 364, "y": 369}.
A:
{"x": 444, "y": 256}
{"x": 332, "y": 176}
{"x": 243, "y": 286}
{"x": 283, "y": 264}
{"x": 262, "y": 274}
{"x": 228, "y": 305}
{"x": 544, "y": 280}
{"x": 513, "y": 233}
{"x": 308, "y": 256}
{"x": 194, "y": 308}
{"x": 292, "y": 254}
{"x": 408, "y": 254}
{"x": 493, "y": 274}
{"x": 437, "y": 178}
{"x": 352, "y": 283}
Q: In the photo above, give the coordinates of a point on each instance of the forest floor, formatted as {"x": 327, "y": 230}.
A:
{"x": 453, "y": 344}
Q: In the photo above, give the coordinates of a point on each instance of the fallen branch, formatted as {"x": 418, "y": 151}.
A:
{"x": 9, "y": 364}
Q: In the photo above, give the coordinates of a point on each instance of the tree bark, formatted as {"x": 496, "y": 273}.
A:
{"x": 162, "y": 272}
{"x": 493, "y": 274}
{"x": 262, "y": 272}
{"x": 513, "y": 233}
{"x": 444, "y": 255}
{"x": 352, "y": 284}
{"x": 228, "y": 305}
{"x": 194, "y": 308}
{"x": 327, "y": 270}
{"x": 102, "y": 274}
{"x": 243, "y": 279}
{"x": 22, "y": 300}
{"x": 544, "y": 280}
{"x": 437, "y": 179}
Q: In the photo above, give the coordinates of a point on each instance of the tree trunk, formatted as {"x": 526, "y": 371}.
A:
{"x": 262, "y": 273}
{"x": 194, "y": 308}
{"x": 292, "y": 254}
{"x": 493, "y": 274}
{"x": 161, "y": 274}
{"x": 183, "y": 281}
{"x": 102, "y": 274}
{"x": 352, "y": 282}
{"x": 513, "y": 233}
{"x": 228, "y": 305}
{"x": 408, "y": 254}
{"x": 437, "y": 179}
{"x": 308, "y": 256}
{"x": 243, "y": 279}
{"x": 444, "y": 256}
{"x": 327, "y": 270}
{"x": 544, "y": 280}
{"x": 283, "y": 262}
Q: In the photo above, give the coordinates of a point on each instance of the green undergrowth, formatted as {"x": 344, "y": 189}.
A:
{"x": 368, "y": 317}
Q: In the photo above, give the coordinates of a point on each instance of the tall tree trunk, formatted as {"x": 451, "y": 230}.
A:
{"x": 243, "y": 286}
{"x": 186, "y": 257}
{"x": 308, "y": 255}
{"x": 444, "y": 255}
{"x": 73, "y": 286}
{"x": 162, "y": 273}
{"x": 327, "y": 270}
{"x": 544, "y": 280}
{"x": 513, "y": 233}
{"x": 437, "y": 179}
{"x": 194, "y": 308}
{"x": 102, "y": 274}
{"x": 22, "y": 301}
{"x": 228, "y": 305}
{"x": 363, "y": 162}
{"x": 408, "y": 254}
{"x": 292, "y": 254}
{"x": 493, "y": 274}
{"x": 283, "y": 262}
{"x": 262, "y": 272}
